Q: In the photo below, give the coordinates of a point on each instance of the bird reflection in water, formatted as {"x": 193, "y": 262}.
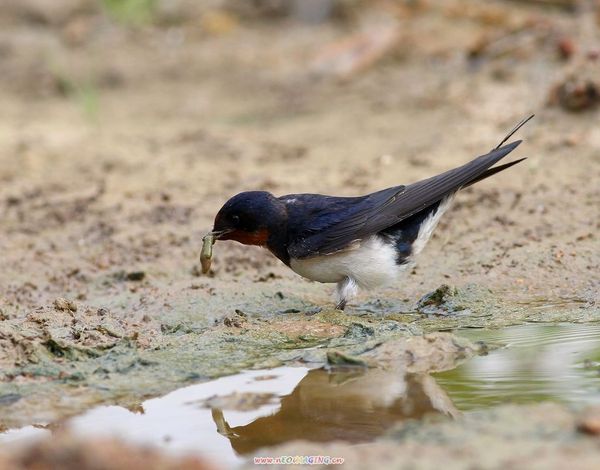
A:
{"x": 353, "y": 405}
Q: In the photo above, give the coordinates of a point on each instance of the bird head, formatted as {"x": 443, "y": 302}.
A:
{"x": 249, "y": 218}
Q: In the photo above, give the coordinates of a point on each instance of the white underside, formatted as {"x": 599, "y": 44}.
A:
{"x": 368, "y": 263}
{"x": 429, "y": 225}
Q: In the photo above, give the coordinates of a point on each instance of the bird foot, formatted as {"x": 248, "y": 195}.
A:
{"x": 313, "y": 311}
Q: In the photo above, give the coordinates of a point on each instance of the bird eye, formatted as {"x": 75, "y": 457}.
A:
{"x": 235, "y": 219}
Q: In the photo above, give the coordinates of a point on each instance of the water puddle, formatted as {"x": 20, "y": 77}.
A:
{"x": 540, "y": 362}
{"x": 231, "y": 417}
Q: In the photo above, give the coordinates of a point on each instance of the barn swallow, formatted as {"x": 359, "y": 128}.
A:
{"x": 356, "y": 242}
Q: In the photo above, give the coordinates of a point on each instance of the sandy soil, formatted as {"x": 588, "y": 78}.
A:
{"x": 71, "y": 453}
{"x": 119, "y": 143}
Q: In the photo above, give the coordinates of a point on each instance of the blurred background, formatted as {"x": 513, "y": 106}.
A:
{"x": 126, "y": 124}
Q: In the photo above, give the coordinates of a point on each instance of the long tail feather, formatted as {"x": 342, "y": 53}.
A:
{"x": 493, "y": 171}
{"x": 514, "y": 130}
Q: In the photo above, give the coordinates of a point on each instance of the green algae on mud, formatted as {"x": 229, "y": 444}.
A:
{"x": 59, "y": 362}
{"x": 474, "y": 306}
{"x": 61, "y": 354}
{"x": 391, "y": 395}
{"x": 390, "y": 382}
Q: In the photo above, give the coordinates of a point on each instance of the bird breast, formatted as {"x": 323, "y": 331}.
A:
{"x": 370, "y": 262}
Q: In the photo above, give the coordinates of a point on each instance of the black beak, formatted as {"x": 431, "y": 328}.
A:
{"x": 216, "y": 234}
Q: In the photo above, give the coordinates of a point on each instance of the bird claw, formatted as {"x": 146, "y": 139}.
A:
{"x": 313, "y": 311}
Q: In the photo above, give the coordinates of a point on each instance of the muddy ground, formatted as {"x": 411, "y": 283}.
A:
{"x": 121, "y": 136}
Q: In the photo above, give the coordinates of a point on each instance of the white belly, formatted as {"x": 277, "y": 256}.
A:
{"x": 371, "y": 263}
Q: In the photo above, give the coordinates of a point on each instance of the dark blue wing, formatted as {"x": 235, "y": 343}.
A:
{"x": 330, "y": 224}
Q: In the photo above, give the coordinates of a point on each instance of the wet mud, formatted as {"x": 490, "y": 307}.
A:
{"x": 228, "y": 418}
{"x": 395, "y": 393}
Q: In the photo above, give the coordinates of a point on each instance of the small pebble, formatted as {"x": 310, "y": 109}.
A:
{"x": 136, "y": 276}
{"x": 590, "y": 422}
{"x": 64, "y": 304}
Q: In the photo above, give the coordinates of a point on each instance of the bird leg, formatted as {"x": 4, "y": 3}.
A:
{"x": 223, "y": 427}
{"x": 345, "y": 290}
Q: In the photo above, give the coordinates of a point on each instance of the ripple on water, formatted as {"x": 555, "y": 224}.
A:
{"x": 541, "y": 362}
